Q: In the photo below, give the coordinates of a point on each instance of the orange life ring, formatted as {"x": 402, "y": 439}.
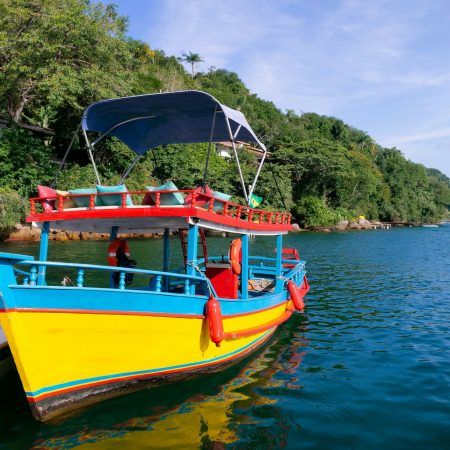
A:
{"x": 236, "y": 255}
{"x": 113, "y": 247}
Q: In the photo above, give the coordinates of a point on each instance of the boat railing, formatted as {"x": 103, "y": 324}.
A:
{"x": 213, "y": 205}
{"x": 296, "y": 274}
{"x": 21, "y": 272}
{"x": 160, "y": 280}
{"x": 265, "y": 267}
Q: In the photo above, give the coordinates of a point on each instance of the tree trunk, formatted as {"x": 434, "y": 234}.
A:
{"x": 15, "y": 109}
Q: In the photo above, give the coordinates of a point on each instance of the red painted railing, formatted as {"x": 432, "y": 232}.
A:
{"x": 199, "y": 200}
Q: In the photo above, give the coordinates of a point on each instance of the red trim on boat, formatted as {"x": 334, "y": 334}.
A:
{"x": 268, "y": 308}
{"x": 101, "y": 311}
{"x": 232, "y": 214}
{"x": 249, "y": 331}
{"x": 131, "y": 313}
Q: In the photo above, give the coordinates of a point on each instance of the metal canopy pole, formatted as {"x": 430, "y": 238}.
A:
{"x": 252, "y": 186}
{"x": 138, "y": 157}
{"x": 91, "y": 156}
{"x": 237, "y": 159}
{"x": 61, "y": 164}
{"x": 209, "y": 148}
{"x": 118, "y": 125}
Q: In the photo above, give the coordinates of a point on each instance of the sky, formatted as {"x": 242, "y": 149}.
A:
{"x": 382, "y": 66}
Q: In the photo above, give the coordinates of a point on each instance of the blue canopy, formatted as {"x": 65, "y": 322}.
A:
{"x": 146, "y": 121}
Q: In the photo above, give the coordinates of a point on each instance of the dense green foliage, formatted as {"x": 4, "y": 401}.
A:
{"x": 25, "y": 161}
{"x": 13, "y": 208}
{"x": 57, "y": 57}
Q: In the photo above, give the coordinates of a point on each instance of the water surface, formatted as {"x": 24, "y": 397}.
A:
{"x": 366, "y": 366}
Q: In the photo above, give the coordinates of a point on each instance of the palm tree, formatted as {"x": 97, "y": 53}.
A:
{"x": 192, "y": 59}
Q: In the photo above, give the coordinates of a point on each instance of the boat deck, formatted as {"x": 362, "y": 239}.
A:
{"x": 135, "y": 217}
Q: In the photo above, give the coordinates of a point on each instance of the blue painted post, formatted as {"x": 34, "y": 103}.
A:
{"x": 278, "y": 269}
{"x": 158, "y": 283}
{"x": 43, "y": 253}
{"x": 192, "y": 253}
{"x": 122, "y": 280}
{"x": 33, "y": 276}
{"x": 244, "y": 272}
{"x": 113, "y": 236}
{"x": 80, "y": 278}
{"x": 166, "y": 258}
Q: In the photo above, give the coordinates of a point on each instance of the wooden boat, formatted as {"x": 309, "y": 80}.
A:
{"x": 74, "y": 345}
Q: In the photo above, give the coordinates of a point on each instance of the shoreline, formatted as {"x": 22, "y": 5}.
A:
{"x": 27, "y": 233}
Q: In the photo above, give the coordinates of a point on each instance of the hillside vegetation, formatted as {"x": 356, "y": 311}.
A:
{"x": 58, "y": 56}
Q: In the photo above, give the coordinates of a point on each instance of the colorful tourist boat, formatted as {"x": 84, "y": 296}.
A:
{"x": 101, "y": 335}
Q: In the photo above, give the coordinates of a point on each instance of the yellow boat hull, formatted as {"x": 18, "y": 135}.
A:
{"x": 70, "y": 359}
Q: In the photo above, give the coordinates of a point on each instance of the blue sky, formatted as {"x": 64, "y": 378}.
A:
{"x": 381, "y": 66}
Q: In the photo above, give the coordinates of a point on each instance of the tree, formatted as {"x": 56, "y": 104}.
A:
{"x": 57, "y": 52}
{"x": 192, "y": 59}
{"x": 25, "y": 161}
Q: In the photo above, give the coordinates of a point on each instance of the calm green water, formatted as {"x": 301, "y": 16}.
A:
{"x": 366, "y": 367}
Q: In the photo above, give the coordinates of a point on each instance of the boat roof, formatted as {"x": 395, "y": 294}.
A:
{"x": 146, "y": 121}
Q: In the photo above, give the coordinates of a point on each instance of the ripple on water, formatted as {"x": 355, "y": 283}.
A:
{"x": 366, "y": 366}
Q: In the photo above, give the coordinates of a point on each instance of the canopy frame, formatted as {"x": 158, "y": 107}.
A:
{"x": 98, "y": 117}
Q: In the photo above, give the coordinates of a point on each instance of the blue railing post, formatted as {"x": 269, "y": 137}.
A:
{"x": 122, "y": 280}
{"x": 158, "y": 283}
{"x": 80, "y": 278}
{"x": 33, "y": 276}
{"x": 192, "y": 253}
{"x": 113, "y": 236}
{"x": 43, "y": 253}
{"x": 278, "y": 269}
{"x": 244, "y": 272}
{"x": 166, "y": 258}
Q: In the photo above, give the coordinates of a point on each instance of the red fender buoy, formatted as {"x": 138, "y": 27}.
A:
{"x": 214, "y": 317}
{"x": 295, "y": 295}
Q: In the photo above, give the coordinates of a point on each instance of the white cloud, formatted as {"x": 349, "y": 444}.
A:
{"x": 434, "y": 134}
{"x": 379, "y": 65}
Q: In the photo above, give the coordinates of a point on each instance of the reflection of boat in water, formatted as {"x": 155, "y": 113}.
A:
{"x": 214, "y": 413}
{"x": 77, "y": 344}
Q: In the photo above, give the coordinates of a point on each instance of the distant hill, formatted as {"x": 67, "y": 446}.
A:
{"x": 323, "y": 169}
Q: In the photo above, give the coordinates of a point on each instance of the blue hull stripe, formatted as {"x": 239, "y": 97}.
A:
{"x": 135, "y": 301}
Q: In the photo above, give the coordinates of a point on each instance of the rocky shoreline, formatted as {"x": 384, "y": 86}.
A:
{"x": 360, "y": 224}
{"x": 27, "y": 233}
